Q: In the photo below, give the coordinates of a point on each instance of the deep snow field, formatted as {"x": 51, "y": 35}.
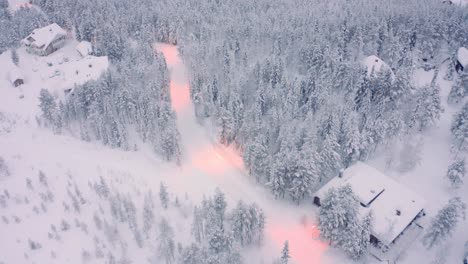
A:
{"x": 51, "y": 212}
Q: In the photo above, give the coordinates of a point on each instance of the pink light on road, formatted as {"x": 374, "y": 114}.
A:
{"x": 170, "y": 53}
{"x": 180, "y": 96}
{"x": 209, "y": 161}
{"x": 304, "y": 244}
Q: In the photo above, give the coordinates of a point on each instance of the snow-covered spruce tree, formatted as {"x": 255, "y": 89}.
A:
{"x": 456, "y": 172}
{"x": 247, "y": 223}
{"x": 14, "y": 57}
{"x": 226, "y": 127}
{"x": 240, "y": 224}
{"x": 285, "y": 253}
{"x": 357, "y": 244}
{"x": 165, "y": 242}
{"x": 3, "y": 4}
{"x": 219, "y": 241}
{"x": 148, "y": 213}
{"x": 459, "y": 89}
{"x": 49, "y": 109}
{"x": 427, "y": 107}
{"x": 339, "y": 222}
{"x": 459, "y": 130}
{"x": 4, "y": 171}
{"x": 163, "y": 195}
{"x": 331, "y": 158}
{"x": 444, "y": 223}
{"x": 193, "y": 255}
{"x": 303, "y": 181}
{"x": 255, "y": 157}
{"x": 219, "y": 204}
{"x": 198, "y": 230}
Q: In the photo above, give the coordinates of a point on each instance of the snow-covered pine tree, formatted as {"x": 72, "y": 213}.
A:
{"x": 49, "y": 109}
{"x": 456, "y": 172}
{"x": 241, "y": 224}
{"x": 3, "y": 4}
{"x": 219, "y": 241}
{"x": 303, "y": 180}
{"x": 219, "y": 205}
{"x": 163, "y": 195}
{"x": 14, "y": 57}
{"x": 192, "y": 255}
{"x": 148, "y": 213}
{"x": 459, "y": 130}
{"x": 4, "y": 171}
{"x": 444, "y": 223}
{"x": 165, "y": 239}
{"x": 339, "y": 222}
{"x": 226, "y": 127}
{"x": 247, "y": 223}
{"x": 198, "y": 230}
{"x": 255, "y": 157}
{"x": 359, "y": 235}
{"x": 285, "y": 253}
{"x": 427, "y": 107}
{"x": 258, "y": 223}
{"x": 330, "y": 154}
{"x": 459, "y": 89}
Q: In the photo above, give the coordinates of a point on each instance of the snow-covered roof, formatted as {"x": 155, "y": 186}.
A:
{"x": 42, "y": 37}
{"x": 462, "y": 56}
{"x": 76, "y": 72}
{"x": 383, "y": 196}
{"x": 84, "y": 48}
{"x": 459, "y": 2}
{"x": 15, "y": 74}
{"x": 374, "y": 65}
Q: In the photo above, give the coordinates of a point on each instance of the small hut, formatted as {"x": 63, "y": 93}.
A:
{"x": 15, "y": 77}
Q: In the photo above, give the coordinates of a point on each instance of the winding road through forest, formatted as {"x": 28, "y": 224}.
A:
{"x": 207, "y": 163}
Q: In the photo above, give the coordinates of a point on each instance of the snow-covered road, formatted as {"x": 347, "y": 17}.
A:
{"x": 206, "y": 163}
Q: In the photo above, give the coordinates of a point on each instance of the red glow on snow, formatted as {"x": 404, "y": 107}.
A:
{"x": 180, "y": 96}
{"x": 217, "y": 160}
{"x": 23, "y": 5}
{"x": 210, "y": 161}
{"x": 170, "y": 53}
{"x": 304, "y": 244}
{"x": 232, "y": 155}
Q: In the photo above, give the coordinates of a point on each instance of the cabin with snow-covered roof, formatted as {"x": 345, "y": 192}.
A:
{"x": 46, "y": 40}
{"x": 462, "y": 59}
{"x": 395, "y": 208}
{"x": 375, "y": 65}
